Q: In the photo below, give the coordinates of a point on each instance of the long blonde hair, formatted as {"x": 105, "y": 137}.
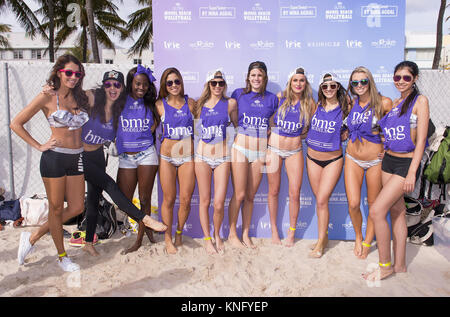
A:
{"x": 206, "y": 94}
{"x": 375, "y": 102}
{"x": 306, "y": 99}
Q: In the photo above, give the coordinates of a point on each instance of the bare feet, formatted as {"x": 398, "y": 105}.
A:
{"x": 133, "y": 248}
{"x": 365, "y": 250}
{"x": 89, "y": 249}
{"x": 235, "y": 242}
{"x": 276, "y": 239}
{"x": 248, "y": 242}
{"x": 178, "y": 239}
{"x": 219, "y": 245}
{"x": 399, "y": 269}
{"x": 209, "y": 247}
{"x": 357, "y": 250}
{"x": 149, "y": 233}
{"x": 171, "y": 248}
{"x": 319, "y": 248}
{"x": 378, "y": 274}
{"x": 154, "y": 224}
{"x": 290, "y": 239}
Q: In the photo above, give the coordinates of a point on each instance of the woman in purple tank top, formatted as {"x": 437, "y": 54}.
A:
{"x": 325, "y": 160}
{"x": 363, "y": 150}
{"x": 255, "y": 107}
{"x": 138, "y": 160}
{"x": 289, "y": 126}
{"x": 177, "y": 150}
{"x": 214, "y": 112}
{"x": 405, "y": 130}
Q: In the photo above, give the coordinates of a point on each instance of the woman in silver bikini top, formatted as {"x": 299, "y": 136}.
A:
{"x": 64, "y": 118}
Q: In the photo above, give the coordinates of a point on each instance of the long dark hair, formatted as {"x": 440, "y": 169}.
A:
{"x": 414, "y": 70}
{"x": 149, "y": 97}
{"x": 99, "y": 106}
{"x": 341, "y": 95}
{"x": 262, "y": 67}
{"x": 163, "y": 92}
{"x": 78, "y": 93}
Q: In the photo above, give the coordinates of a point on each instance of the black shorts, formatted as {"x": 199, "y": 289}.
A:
{"x": 397, "y": 165}
{"x": 55, "y": 164}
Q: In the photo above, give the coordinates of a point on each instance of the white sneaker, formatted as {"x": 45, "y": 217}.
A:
{"x": 25, "y": 247}
{"x": 67, "y": 265}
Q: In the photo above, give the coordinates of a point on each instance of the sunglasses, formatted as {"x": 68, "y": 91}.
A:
{"x": 177, "y": 82}
{"x": 363, "y": 82}
{"x": 108, "y": 84}
{"x": 214, "y": 83}
{"x": 330, "y": 86}
{"x": 69, "y": 73}
{"x": 406, "y": 78}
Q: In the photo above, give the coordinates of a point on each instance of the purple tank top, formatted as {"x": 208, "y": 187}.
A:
{"x": 254, "y": 112}
{"x": 290, "y": 125}
{"x": 134, "y": 133}
{"x": 177, "y": 123}
{"x": 359, "y": 124}
{"x": 324, "y": 134}
{"x": 214, "y": 122}
{"x": 96, "y": 132}
{"x": 396, "y": 129}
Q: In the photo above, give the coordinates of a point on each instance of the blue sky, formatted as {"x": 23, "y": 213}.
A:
{"x": 421, "y": 16}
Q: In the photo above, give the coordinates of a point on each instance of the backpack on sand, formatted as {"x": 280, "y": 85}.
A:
{"x": 437, "y": 168}
{"x": 106, "y": 220}
{"x": 422, "y": 233}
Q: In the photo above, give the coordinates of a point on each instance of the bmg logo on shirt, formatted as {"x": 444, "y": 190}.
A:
{"x": 134, "y": 125}
{"x": 178, "y": 131}
{"x": 255, "y": 122}
{"x": 395, "y": 133}
{"x": 288, "y": 125}
{"x": 323, "y": 126}
{"x": 359, "y": 118}
{"x": 214, "y": 130}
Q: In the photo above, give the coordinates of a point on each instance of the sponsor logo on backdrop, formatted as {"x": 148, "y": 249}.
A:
{"x": 201, "y": 45}
{"x": 323, "y": 44}
{"x": 382, "y": 76}
{"x": 342, "y": 73}
{"x": 298, "y": 11}
{"x": 262, "y": 45}
{"x": 232, "y": 45}
{"x": 338, "y": 198}
{"x": 384, "y": 43}
{"x": 293, "y": 44}
{"x": 374, "y": 12}
{"x": 177, "y": 14}
{"x": 339, "y": 13}
{"x": 274, "y": 77}
{"x": 354, "y": 43}
{"x": 190, "y": 77}
{"x": 217, "y": 12}
{"x": 257, "y": 14}
{"x": 172, "y": 45}
{"x": 305, "y": 201}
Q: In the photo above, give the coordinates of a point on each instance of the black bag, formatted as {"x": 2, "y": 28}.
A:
{"x": 106, "y": 219}
{"x": 10, "y": 210}
{"x": 422, "y": 233}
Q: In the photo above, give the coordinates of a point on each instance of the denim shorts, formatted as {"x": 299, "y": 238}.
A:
{"x": 146, "y": 157}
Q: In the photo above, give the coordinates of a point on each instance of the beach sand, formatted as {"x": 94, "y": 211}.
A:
{"x": 269, "y": 270}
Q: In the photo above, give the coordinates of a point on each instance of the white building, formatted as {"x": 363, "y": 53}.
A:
{"x": 23, "y": 48}
{"x": 419, "y": 48}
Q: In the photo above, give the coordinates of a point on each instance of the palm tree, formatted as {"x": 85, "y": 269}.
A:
{"x": 141, "y": 20}
{"x": 24, "y": 15}
{"x": 4, "y": 28}
{"x": 438, "y": 50}
{"x": 92, "y": 33}
{"x": 107, "y": 21}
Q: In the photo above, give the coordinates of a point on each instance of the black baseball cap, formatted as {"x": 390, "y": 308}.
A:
{"x": 113, "y": 74}
{"x": 257, "y": 64}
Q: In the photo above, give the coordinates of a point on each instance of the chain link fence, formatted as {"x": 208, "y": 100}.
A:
{"x": 19, "y": 170}
{"x": 25, "y": 82}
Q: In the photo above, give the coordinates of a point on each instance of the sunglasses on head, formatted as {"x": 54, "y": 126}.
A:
{"x": 169, "y": 83}
{"x": 214, "y": 83}
{"x": 69, "y": 73}
{"x": 406, "y": 78}
{"x": 108, "y": 84}
{"x": 363, "y": 82}
{"x": 330, "y": 86}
